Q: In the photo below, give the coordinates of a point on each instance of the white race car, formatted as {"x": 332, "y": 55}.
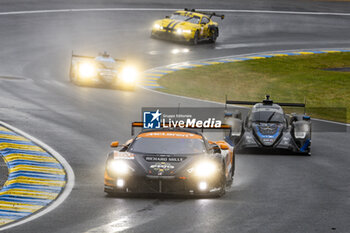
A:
{"x": 102, "y": 70}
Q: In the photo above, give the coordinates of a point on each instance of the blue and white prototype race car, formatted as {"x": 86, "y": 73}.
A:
{"x": 267, "y": 127}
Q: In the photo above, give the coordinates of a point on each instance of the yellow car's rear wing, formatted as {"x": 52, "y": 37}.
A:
{"x": 210, "y": 14}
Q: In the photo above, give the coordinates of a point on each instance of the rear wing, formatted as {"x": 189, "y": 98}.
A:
{"x": 139, "y": 124}
{"x": 253, "y": 103}
{"x": 210, "y": 14}
{"x": 81, "y": 57}
{"x": 267, "y": 101}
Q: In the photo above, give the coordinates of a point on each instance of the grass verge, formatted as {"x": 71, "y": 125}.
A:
{"x": 286, "y": 79}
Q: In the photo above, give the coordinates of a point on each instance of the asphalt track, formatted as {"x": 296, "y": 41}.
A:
{"x": 271, "y": 193}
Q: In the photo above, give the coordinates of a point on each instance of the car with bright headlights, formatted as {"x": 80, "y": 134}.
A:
{"x": 170, "y": 161}
{"x": 187, "y": 25}
{"x": 267, "y": 127}
{"x": 102, "y": 70}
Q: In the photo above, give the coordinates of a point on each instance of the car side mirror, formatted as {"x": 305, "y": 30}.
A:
{"x": 224, "y": 147}
{"x": 115, "y": 144}
{"x": 167, "y": 17}
{"x": 216, "y": 149}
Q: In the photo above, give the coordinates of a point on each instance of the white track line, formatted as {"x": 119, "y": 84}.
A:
{"x": 238, "y": 55}
{"x": 173, "y": 9}
{"x": 67, "y": 189}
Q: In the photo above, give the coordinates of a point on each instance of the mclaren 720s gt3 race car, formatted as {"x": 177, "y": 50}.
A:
{"x": 170, "y": 161}
{"x": 102, "y": 70}
{"x": 188, "y": 26}
{"x": 268, "y": 127}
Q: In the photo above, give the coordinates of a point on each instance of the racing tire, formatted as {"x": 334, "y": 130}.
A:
{"x": 109, "y": 194}
{"x": 71, "y": 75}
{"x": 223, "y": 185}
{"x": 214, "y": 35}
{"x": 232, "y": 174}
{"x": 307, "y": 153}
{"x": 233, "y": 169}
{"x": 195, "y": 38}
{"x": 153, "y": 36}
{"x": 77, "y": 82}
{"x": 73, "y": 80}
{"x": 116, "y": 194}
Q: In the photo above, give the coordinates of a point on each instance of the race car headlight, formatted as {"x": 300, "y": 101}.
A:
{"x": 118, "y": 166}
{"x": 301, "y": 131}
{"x": 186, "y": 31}
{"x": 157, "y": 26}
{"x": 87, "y": 70}
{"x": 300, "y": 135}
{"x": 179, "y": 31}
{"x": 205, "y": 169}
{"x": 129, "y": 74}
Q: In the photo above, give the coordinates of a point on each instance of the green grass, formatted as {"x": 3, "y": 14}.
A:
{"x": 286, "y": 79}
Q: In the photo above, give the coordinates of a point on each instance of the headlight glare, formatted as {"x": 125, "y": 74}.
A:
{"x": 205, "y": 169}
{"x": 129, "y": 74}
{"x": 119, "y": 167}
{"x": 87, "y": 70}
{"x": 179, "y": 31}
{"x": 157, "y": 26}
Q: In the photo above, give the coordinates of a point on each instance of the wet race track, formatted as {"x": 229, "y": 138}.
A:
{"x": 270, "y": 193}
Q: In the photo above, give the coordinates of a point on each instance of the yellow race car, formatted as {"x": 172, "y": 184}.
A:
{"x": 187, "y": 25}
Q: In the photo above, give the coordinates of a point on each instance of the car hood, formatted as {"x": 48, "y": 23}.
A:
{"x": 172, "y": 24}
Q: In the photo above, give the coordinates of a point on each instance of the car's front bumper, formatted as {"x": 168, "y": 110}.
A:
{"x": 110, "y": 81}
{"x": 171, "y": 35}
{"x": 162, "y": 185}
{"x": 253, "y": 144}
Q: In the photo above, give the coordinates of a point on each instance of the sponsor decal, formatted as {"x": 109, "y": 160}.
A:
{"x": 164, "y": 159}
{"x": 192, "y": 123}
{"x": 151, "y": 120}
{"x": 123, "y": 155}
{"x": 156, "y": 120}
{"x": 161, "y": 167}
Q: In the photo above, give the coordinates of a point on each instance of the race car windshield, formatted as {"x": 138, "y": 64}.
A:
{"x": 179, "y": 17}
{"x": 185, "y": 18}
{"x": 193, "y": 20}
{"x": 267, "y": 116}
{"x": 169, "y": 146}
{"x": 106, "y": 63}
